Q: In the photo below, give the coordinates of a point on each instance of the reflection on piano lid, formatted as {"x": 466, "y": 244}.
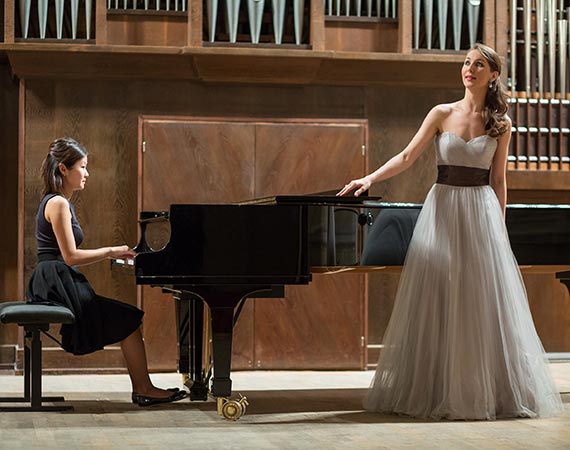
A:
{"x": 539, "y": 234}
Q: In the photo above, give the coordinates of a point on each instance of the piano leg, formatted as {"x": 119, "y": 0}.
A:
{"x": 183, "y": 332}
{"x": 222, "y": 302}
{"x": 222, "y": 330}
{"x": 190, "y": 327}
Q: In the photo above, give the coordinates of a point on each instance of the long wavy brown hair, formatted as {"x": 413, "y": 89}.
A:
{"x": 496, "y": 100}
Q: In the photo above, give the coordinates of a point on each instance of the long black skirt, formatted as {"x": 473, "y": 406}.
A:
{"x": 99, "y": 321}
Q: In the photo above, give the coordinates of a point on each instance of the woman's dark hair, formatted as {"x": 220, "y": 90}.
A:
{"x": 66, "y": 151}
{"x": 496, "y": 101}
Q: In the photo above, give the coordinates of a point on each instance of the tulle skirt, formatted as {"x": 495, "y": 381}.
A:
{"x": 461, "y": 343}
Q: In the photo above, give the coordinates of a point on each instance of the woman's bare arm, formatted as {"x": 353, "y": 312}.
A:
{"x": 57, "y": 212}
{"x": 403, "y": 160}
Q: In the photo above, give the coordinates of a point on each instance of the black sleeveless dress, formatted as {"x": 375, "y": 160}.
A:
{"x": 99, "y": 321}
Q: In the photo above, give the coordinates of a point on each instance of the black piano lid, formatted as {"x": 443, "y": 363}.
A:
{"x": 328, "y": 198}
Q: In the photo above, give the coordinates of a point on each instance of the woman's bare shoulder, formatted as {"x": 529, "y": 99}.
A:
{"x": 445, "y": 109}
{"x": 58, "y": 204}
{"x": 58, "y": 201}
{"x": 439, "y": 113}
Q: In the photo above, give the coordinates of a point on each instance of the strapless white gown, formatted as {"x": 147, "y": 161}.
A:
{"x": 461, "y": 343}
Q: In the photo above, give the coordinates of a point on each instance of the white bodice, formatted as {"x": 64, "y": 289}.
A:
{"x": 452, "y": 150}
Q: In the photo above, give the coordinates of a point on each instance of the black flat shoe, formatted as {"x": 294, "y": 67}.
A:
{"x": 135, "y": 396}
{"x": 143, "y": 400}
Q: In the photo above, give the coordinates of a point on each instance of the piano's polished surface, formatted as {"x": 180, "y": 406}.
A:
{"x": 220, "y": 255}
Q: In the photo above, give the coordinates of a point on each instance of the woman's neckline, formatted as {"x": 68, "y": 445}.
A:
{"x": 464, "y": 140}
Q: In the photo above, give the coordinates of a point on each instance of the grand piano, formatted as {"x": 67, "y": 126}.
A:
{"x": 221, "y": 255}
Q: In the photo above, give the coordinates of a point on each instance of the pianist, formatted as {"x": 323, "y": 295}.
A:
{"x": 99, "y": 321}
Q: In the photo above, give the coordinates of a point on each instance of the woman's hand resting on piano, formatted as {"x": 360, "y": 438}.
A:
{"x": 361, "y": 185}
{"x": 121, "y": 252}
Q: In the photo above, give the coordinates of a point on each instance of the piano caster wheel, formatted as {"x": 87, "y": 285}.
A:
{"x": 232, "y": 409}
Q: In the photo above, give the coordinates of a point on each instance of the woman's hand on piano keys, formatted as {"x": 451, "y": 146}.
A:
{"x": 121, "y": 252}
{"x": 361, "y": 185}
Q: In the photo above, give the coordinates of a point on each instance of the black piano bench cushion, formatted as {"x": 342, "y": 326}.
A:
{"x": 24, "y": 313}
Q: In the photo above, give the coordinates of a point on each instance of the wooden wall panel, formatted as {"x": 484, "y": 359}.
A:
{"x": 155, "y": 30}
{"x": 8, "y": 208}
{"x": 320, "y": 326}
{"x": 361, "y": 36}
{"x": 308, "y": 157}
{"x": 192, "y": 162}
{"x": 550, "y": 306}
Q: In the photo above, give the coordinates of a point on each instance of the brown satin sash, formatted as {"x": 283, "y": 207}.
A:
{"x": 462, "y": 176}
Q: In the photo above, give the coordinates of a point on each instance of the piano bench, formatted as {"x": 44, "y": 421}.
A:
{"x": 34, "y": 319}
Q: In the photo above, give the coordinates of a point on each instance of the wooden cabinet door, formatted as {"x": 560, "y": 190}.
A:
{"x": 190, "y": 162}
{"x": 319, "y": 326}
{"x": 215, "y": 161}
